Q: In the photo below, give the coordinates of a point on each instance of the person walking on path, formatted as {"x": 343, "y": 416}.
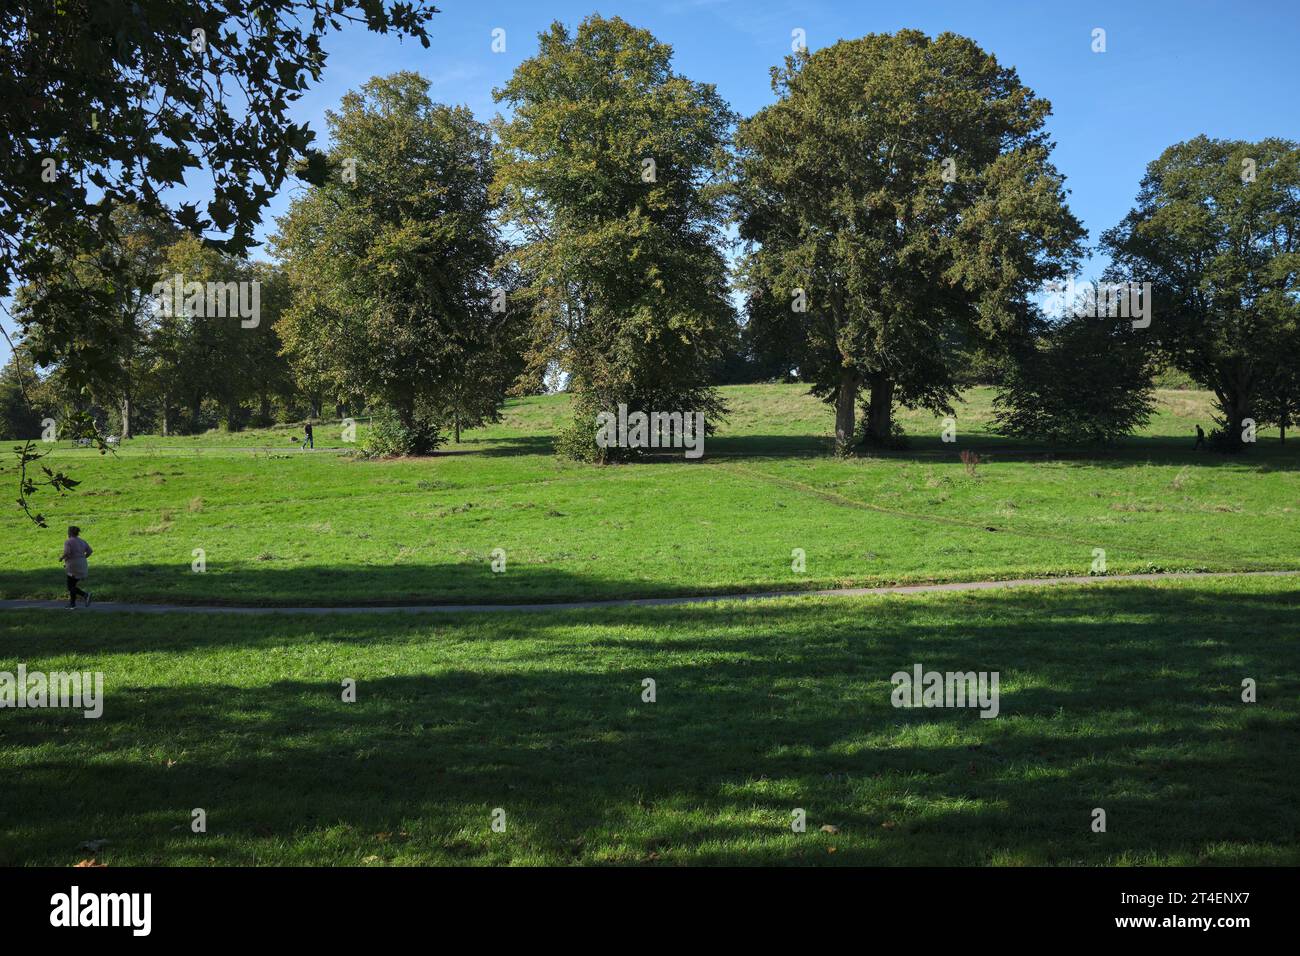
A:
{"x": 75, "y": 553}
{"x": 309, "y": 439}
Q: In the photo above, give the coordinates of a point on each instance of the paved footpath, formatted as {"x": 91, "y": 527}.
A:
{"x": 109, "y": 606}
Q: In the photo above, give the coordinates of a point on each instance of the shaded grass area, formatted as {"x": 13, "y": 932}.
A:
{"x": 321, "y": 528}
{"x": 1120, "y": 697}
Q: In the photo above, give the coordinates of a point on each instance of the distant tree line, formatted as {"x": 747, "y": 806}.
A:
{"x": 169, "y": 370}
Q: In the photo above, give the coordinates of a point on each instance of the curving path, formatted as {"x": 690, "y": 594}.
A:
{"x": 109, "y": 606}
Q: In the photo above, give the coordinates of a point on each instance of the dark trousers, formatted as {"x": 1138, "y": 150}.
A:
{"x": 73, "y": 591}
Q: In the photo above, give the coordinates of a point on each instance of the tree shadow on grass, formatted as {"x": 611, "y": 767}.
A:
{"x": 265, "y": 584}
{"x": 1268, "y": 455}
{"x": 500, "y": 447}
{"x": 1124, "y": 699}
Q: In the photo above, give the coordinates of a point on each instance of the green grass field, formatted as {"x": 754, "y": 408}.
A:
{"x": 1121, "y": 696}
{"x": 1110, "y": 698}
{"x": 283, "y": 526}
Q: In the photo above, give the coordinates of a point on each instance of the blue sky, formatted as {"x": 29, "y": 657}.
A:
{"x": 1171, "y": 69}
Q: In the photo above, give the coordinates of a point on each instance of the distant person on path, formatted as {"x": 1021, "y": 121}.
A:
{"x": 1200, "y": 437}
{"x": 75, "y": 553}
{"x": 309, "y": 440}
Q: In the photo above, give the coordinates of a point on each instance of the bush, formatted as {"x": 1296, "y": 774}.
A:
{"x": 389, "y": 436}
{"x": 577, "y": 442}
{"x": 1085, "y": 380}
{"x": 1223, "y": 439}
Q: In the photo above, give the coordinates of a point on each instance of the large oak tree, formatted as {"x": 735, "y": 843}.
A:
{"x": 392, "y": 261}
{"x": 1216, "y": 231}
{"x": 900, "y": 191}
{"x": 610, "y": 170}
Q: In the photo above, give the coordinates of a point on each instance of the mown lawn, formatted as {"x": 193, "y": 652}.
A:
{"x": 1113, "y": 696}
{"x": 280, "y": 526}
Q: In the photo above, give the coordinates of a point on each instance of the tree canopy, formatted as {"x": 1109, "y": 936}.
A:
{"x": 610, "y": 171}
{"x": 897, "y": 194}
{"x": 1216, "y": 231}
{"x": 105, "y": 103}
{"x": 1084, "y": 379}
{"x": 392, "y": 261}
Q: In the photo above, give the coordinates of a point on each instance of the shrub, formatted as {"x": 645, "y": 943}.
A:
{"x": 577, "y": 442}
{"x": 389, "y": 436}
{"x": 1223, "y": 439}
{"x": 1085, "y": 380}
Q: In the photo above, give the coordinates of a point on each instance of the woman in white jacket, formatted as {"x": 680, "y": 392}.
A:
{"x": 75, "y": 553}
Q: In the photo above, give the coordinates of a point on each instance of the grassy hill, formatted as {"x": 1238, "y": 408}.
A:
{"x": 280, "y": 525}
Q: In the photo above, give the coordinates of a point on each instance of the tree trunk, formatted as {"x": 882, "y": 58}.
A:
{"x": 165, "y": 421}
{"x": 126, "y": 418}
{"x": 880, "y": 411}
{"x": 1235, "y": 406}
{"x": 265, "y": 409}
{"x": 846, "y": 404}
{"x": 456, "y": 424}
